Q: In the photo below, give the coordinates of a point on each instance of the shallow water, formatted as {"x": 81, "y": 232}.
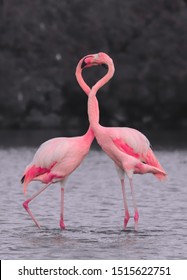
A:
{"x": 94, "y": 212}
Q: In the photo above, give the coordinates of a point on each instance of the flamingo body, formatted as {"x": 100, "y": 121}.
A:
{"x": 130, "y": 150}
{"x": 127, "y": 147}
{"x": 56, "y": 159}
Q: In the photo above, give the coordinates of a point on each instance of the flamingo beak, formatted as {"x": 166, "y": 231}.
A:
{"x": 87, "y": 62}
{"x": 83, "y": 65}
{"x": 105, "y": 66}
{"x": 90, "y": 61}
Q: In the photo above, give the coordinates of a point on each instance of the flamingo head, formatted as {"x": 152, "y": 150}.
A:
{"x": 95, "y": 60}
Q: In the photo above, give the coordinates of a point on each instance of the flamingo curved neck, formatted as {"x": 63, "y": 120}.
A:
{"x": 80, "y": 80}
{"x": 93, "y": 106}
{"x": 106, "y": 78}
{"x": 89, "y": 135}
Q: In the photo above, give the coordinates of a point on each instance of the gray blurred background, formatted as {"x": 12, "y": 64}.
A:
{"x": 41, "y": 42}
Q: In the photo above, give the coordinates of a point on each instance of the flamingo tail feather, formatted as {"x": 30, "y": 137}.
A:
{"x": 151, "y": 159}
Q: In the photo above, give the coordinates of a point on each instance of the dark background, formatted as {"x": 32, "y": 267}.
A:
{"x": 41, "y": 42}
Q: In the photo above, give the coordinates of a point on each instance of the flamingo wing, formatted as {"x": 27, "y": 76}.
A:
{"x": 131, "y": 142}
{"x": 49, "y": 154}
{"x": 53, "y": 150}
{"x": 135, "y": 144}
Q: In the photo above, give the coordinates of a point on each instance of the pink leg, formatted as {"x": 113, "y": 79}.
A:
{"x": 127, "y": 216}
{"x": 136, "y": 215}
{"x": 26, "y": 204}
{"x": 62, "y": 225}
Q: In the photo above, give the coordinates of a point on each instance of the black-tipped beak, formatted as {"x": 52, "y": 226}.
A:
{"x": 105, "y": 66}
{"x": 83, "y": 65}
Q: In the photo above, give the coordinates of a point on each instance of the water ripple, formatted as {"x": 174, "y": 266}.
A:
{"x": 94, "y": 212}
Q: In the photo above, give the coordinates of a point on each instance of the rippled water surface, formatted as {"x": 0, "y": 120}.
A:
{"x": 94, "y": 212}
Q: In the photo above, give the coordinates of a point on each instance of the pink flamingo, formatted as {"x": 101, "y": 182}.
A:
{"x": 56, "y": 159}
{"x": 127, "y": 147}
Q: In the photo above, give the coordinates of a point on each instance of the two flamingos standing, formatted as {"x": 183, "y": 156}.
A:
{"x": 57, "y": 158}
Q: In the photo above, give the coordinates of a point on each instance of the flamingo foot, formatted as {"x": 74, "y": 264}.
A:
{"x": 26, "y": 206}
{"x": 126, "y": 219}
{"x": 136, "y": 218}
{"x": 62, "y": 225}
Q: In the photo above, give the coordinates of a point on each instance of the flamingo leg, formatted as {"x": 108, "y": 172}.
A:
{"x": 62, "y": 225}
{"x": 127, "y": 216}
{"x": 136, "y": 215}
{"x": 26, "y": 204}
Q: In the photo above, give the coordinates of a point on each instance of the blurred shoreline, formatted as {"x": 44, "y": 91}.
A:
{"x": 159, "y": 138}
